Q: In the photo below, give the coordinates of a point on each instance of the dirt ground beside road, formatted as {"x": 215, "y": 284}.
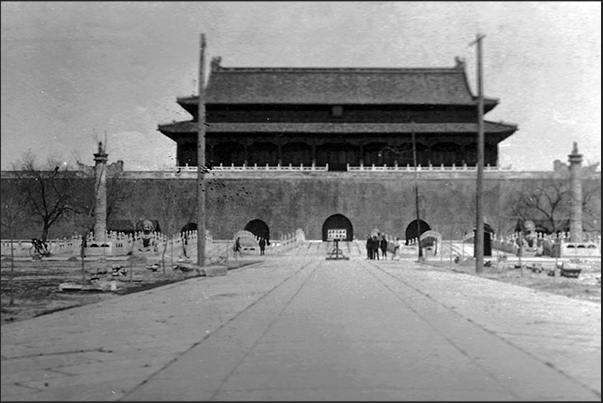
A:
{"x": 587, "y": 286}
{"x": 36, "y": 284}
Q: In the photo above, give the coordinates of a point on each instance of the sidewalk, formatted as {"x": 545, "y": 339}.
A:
{"x": 307, "y": 329}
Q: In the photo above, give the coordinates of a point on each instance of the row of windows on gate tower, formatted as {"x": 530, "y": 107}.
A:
{"x": 263, "y": 153}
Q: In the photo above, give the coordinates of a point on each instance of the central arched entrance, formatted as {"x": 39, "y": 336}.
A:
{"x": 412, "y": 231}
{"x": 338, "y": 221}
{"x": 258, "y": 228}
{"x": 191, "y": 226}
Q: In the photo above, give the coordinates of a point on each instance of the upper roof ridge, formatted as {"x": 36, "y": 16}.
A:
{"x": 216, "y": 66}
{"x": 334, "y": 85}
{"x": 338, "y": 70}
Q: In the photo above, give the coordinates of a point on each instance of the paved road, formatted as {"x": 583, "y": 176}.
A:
{"x": 306, "y": 328}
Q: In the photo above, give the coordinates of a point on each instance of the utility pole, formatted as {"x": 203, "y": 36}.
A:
{"x": 414, "y": 156}
{"x": 201, "y": 160}
{"x": 479, "y": 229}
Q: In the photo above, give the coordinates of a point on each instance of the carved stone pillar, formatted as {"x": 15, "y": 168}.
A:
{"x": 575, "y": 160}
{"x": 100, "y": 187}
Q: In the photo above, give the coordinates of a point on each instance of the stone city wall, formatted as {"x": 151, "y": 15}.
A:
{"x": 287, "y": 201}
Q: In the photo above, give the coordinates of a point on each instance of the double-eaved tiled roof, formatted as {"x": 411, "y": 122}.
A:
{"x": 189, "y": 127}
{"x": 337, "y": 86}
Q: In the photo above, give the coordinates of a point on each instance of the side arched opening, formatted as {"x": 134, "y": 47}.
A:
{"x": 191, "y": 226}
{"x": 412, "y": 231}
{"x": 258, "y": 228}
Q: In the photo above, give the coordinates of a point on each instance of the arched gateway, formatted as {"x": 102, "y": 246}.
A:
{"x": 258, "y": 228}
{"x": 338, "y": 221}
{"x": 412, "y": 230}
{"x": 191, "y": 226}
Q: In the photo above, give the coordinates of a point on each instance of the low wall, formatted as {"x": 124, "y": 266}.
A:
{"x": 184, "y": 244}
{"x": 562, "y": 248}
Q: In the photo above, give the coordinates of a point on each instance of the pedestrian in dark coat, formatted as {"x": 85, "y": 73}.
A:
{"x": 369, "y": 247}
{"x": 383, "y": 246}
{"x": 237, "y": 248}
{"x": 262, "y": 246}
{"x": 375, "y": 247}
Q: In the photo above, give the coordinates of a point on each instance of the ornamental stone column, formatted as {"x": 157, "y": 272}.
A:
{"x": 100, "y": 190}
{"x": 575, "y": 160}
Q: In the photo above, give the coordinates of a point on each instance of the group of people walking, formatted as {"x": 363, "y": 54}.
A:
{"x": 374, "y": 243}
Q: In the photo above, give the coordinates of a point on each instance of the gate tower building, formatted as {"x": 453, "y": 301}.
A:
{"x": 338, "y": 117}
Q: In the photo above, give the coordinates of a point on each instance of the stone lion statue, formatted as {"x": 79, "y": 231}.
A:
{"x": 147, "y": 238}
{"x": 532, "y": 243}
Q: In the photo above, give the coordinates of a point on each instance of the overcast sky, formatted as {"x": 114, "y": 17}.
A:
{"x": 75, "y": 72}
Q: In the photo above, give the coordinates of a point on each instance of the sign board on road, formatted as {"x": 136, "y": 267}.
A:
{"x": 339, "y": 234}
{"x": 336, "y": 235}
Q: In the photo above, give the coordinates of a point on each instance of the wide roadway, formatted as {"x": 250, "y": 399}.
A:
{"x": 300, "y": 327}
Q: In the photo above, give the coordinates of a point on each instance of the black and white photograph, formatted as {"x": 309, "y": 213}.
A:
{"x": 300, "y": 201}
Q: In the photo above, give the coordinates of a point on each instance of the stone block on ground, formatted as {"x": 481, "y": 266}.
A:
{"x": 189, "y": 267}
{"x": 571, "y": 270}
{"x": 137, "y": 259}
{"x": 212, "y": 271}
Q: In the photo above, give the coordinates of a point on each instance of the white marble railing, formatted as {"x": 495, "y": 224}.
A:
{"x": 351, "y": 168}
{"x": 256, "y": 167}
{"x": 410, "y": 168}
{"x": 250, "y": 242}
{"x": 590, "y": 246}
{"x": 112, "y": 244}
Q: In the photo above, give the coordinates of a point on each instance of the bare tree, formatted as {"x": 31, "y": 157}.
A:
{"x": 170, "y": 203}
{"x": 46, "y": 190}
{"x": 13, "y": 215}
{"x": 118, "y": 192}
{"x": 548, "y": 202}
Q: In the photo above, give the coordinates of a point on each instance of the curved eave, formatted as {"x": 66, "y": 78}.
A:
{"x": 190, "y": 104}
{"x": 193, "y": 101}
{"x": 489, "y": 104}
{"x": 185, "y": 129}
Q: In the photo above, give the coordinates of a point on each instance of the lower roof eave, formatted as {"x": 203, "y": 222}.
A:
{"x": 185, "y": 129}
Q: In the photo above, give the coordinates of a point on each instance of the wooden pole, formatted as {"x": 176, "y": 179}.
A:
{"x": 479, "y": 229}
{"x": 414, "y": 155}
{"x": 201, "y": 160}
{"x": 520, "y": 252}
{"x": 12, "y": 265}
{"x": 132, "y": 258}
{"x": 463, "y": 242}
{"x": 82, "y": 256}
{"x": 451, "y": 236}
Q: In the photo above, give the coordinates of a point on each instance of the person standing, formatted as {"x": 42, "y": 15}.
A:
{"x": 262, "y": 246}
{"x": 237, "y": 247}
{"x": 375, "y": 245}
{"x": 397, "y": 245}
{"x": 369, "y": 248}
{"x": 383, "y": 246}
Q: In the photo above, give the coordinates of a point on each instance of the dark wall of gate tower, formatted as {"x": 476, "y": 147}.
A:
{"x": 337, "y": 116}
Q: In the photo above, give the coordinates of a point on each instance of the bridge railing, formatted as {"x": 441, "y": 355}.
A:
{"x": 289, "y": 241}
{"x": 250, "y": 242}
{"x": 559, "y": 244}
{"x": 351, "y": 168}
{"x": 430, "y": 167}
{"x": 111, "y": 244}
{"x": 256, "y": 167}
